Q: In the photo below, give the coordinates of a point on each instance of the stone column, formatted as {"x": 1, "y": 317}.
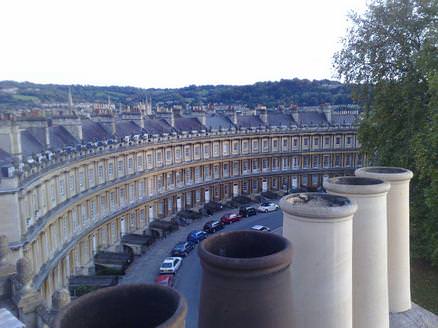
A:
{"x": 320, "y": 229}
{"x": 370, "y": 267}
{"x": 399, "y": 281}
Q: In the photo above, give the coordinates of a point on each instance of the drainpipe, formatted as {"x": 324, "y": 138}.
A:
{"x": 370, "y": 266}
{"x": 246, "y": 281}
{"x": 126, "y": 306}
{"x": 320, "y": 227}
{"x": 399, "y": 280}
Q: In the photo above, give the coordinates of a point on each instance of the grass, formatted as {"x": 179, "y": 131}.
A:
{"x": 26, "y": 98}
{"x": 424, "y": 284}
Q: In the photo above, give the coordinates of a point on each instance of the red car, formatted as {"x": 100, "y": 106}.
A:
{"x": 164, "y": 280}
{"x": 230, "y": 218}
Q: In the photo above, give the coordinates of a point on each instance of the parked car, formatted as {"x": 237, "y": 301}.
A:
{"x": 183, "y": 248}
{"x": 213, "y": 226}
{"x": 259, "y": 227}
{"x": 246, "y": 211}
{"x": 164, "y": 280}
{"x": 171, "y": 265}
{"x": 196, "y": 236}
{"x": 230, "y": 218}
{"x": 267, "y": 207}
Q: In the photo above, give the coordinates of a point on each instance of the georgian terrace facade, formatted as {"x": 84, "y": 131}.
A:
{"x": 61, "y": 215}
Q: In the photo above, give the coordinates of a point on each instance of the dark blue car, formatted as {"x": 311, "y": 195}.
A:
{"x": 183, "y": 248}
{"x": 196, "y": 236}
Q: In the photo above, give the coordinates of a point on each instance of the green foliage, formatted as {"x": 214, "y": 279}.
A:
{"x": 424, "y": 285}
{"x": 283, "y": 92}
{"x": 390, "y": 56}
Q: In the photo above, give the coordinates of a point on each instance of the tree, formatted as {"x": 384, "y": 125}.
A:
{"x": 390, "y": 57}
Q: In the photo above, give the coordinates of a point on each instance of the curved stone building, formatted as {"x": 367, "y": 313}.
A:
{"x": 72, "y": 186}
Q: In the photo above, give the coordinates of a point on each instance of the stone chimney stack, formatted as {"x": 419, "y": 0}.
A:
{"x": 235, "y": 122}
{"x": 370, "y": 260}
{"x": 113, "y": 124}
{"x": 173, "y": 114}
{"x": 137, "y": 305}
{"x": 295, "y": 114}
{"x": 10, "y": 136}
{"x": 149, "y": 106}
{"x": 241, "y": 268}
{"x": 203, "y": 118}
{"x": 264, "y": 115}
{"x": 399, "y": 280}
{"x": 47, "y": 126}
{"x": 327, "y": 110}
{"x": 320, "y": 227}
{"x": 71, "y": 123}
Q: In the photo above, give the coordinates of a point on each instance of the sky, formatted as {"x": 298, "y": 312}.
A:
{"x": 170, "y": 43}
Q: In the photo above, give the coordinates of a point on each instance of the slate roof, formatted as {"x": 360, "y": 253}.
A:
{"x": 38, "y": 133}
{"x": 188, "y": 124}
{"x": 61, "y": 137}
{"x": 30, "y": 144}
{"x": 312, "y": 118}
{"x": 248, "y": 121}
{"x": 5, "y": 157}
{"x": 280, "y": 119}
{"x": 127, "y": 128}
{"x": 217, "y": 121}
{"x": 156, "y": 126}
{"x": 93, "y": 131}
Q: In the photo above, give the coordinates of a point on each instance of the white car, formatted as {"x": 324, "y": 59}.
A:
{"x": 171, "y": 265}
{"x": 267, "y": 207}
{"x": 259, "y": 227}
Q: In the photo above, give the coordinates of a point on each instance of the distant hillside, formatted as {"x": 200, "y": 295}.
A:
{"x": 284, "y": 92}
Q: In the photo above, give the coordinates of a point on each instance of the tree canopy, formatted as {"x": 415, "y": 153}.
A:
{"x": 283, "y": 92}
{"x": 390, "y": 56}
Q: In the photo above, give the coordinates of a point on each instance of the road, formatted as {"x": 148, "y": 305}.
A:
{"x": 188, "y": 279}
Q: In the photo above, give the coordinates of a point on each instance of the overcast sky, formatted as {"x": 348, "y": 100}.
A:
{"x": 170, "y": 43}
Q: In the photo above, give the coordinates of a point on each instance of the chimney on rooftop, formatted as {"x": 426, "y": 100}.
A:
{"x": 235, "y": 122}
{"x": 172, "y": 117}
{"x": 10, "y": 138}
{"x": 399, "y": 280}
{"x": 203, "y": 118}
{"x": 250, "y": 270}
{"x": 370, "y": 260}
{"x": 327, "y": 110}
{"x": 295, "y": 114}
{"x": 113, "y": 124}
{"x": 134, "y": 305}
{"x": 320, "y": 227}
{"x": 264, "y": 115}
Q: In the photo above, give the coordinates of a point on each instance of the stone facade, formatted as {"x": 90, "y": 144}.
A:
{"x": 61, "y": 212}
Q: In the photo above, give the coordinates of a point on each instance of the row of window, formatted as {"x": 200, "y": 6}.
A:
{"x": 61, "y": 231}
{"x": 40, "y": 201}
